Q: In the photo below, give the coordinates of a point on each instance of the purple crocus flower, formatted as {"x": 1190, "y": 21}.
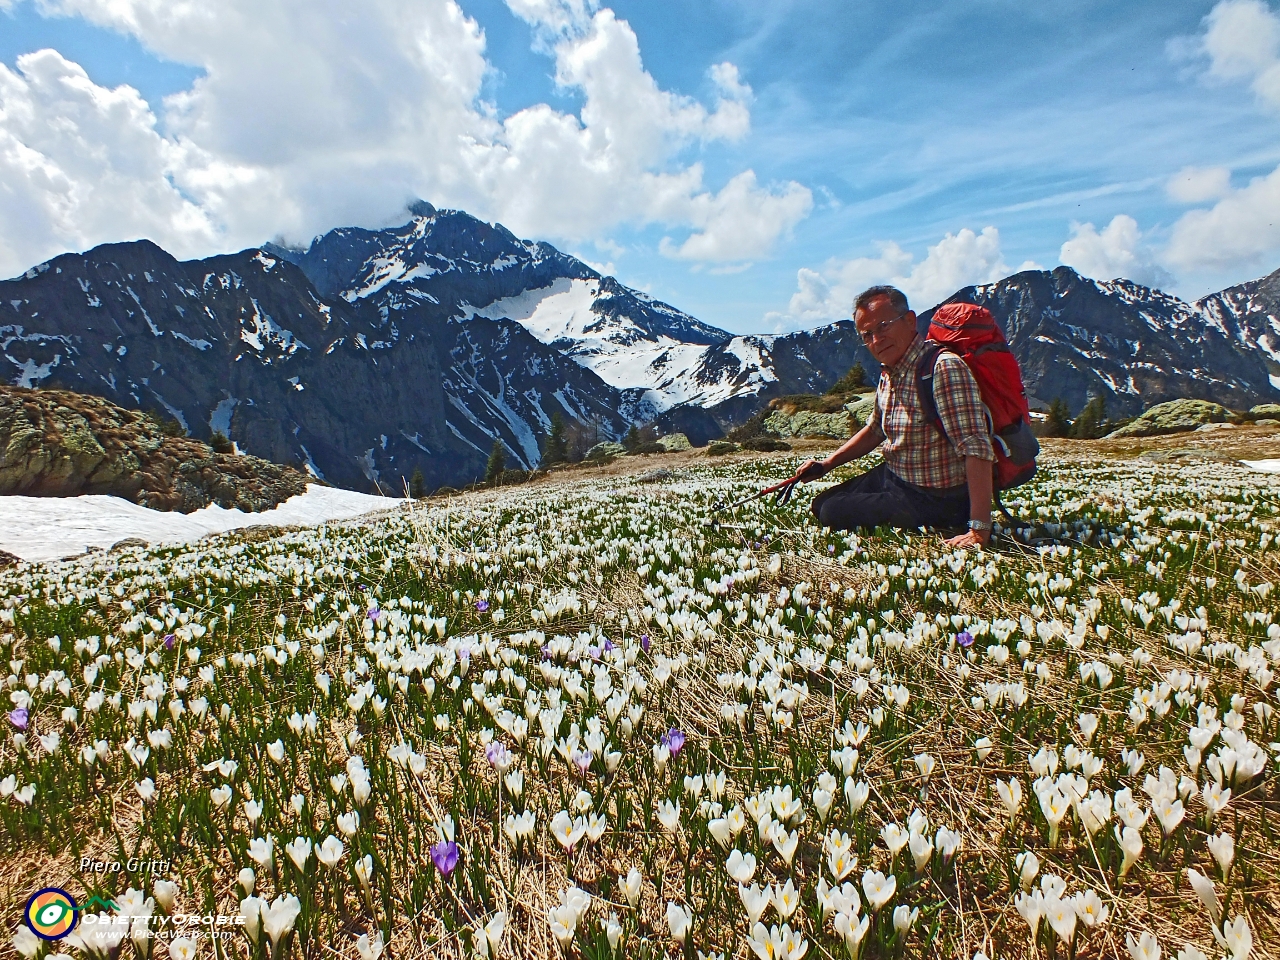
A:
{"x": 168, "y": 641}
{"x": 361, "y": 586}
{"x": 546, "y": 652}
{"x": 445, "y": 856}
{"x": 20, "y": 717}
{"x": 482, "y": 605}
{"x": 582, "y": 760}
{"x": 674, "y": 739}
{"x": 608, "y": 646}
{"x": 644, "y": 642}
{"x": 594, "y": 652}
{"x": 965, "y": 639}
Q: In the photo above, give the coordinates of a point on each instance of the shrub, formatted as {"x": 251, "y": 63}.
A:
{"x": 221, "y": 443}
{"x": 718, "y": 448}
{"x": 765, "y": 443}
{"x": 649, "y": 447}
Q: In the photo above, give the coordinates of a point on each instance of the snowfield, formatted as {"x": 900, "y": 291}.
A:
{"x": 47, "y": 528}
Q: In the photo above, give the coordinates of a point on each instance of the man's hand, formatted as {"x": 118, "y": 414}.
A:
{"x": 812, "y": 470}
{"x": 970, "y": 539}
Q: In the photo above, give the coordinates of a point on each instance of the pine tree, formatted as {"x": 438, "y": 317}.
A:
{"x": 417, "y": 483}
{"x": 555, "y": 449}
{"x": 851, "y": 381}
{"x": 632, "y": 439}
{"x": 1089, "y": 425}
{"x": 1058, "y": 422}
{"x": 497, "y": 462}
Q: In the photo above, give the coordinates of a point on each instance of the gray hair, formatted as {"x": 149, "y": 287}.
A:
{"x": 896, "y": 297}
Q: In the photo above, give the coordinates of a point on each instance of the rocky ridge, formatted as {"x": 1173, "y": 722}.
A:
{"x": 56, "y": 443}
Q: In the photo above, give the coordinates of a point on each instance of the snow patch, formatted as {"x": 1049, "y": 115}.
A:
{"x": 220, "y": 419}
{"x": 48, "y": 528}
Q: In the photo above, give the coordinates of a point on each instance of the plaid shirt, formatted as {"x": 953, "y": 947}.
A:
{"x": 912, "y": 448}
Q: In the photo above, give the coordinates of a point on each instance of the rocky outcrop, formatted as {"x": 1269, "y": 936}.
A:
{"x": 55, "y": 443}
{"x": 1175, "y": 416}
{"x": 810, "y": 415}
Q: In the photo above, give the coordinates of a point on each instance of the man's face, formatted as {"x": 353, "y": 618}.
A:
{"x": 887, "y": 334}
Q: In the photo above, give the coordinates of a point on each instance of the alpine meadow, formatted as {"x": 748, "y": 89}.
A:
{"x": 594, "y": 717}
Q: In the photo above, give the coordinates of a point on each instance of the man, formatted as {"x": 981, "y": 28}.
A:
{"x": 927, "y": 479}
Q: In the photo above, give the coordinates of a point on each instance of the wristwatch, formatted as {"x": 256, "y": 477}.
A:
{"x": 979, "y": 525}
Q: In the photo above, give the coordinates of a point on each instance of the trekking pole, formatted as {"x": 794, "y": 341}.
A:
{"x": 783, "y": 490}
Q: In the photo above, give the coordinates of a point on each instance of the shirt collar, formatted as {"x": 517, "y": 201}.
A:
{"x": 908, "y": 361}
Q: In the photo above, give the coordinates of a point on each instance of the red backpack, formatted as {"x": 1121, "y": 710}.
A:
{"x": 970, "y": 332}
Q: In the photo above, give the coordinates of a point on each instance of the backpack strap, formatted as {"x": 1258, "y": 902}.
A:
{"x": 924, "y": 389}
{"x": 924, "y": 384}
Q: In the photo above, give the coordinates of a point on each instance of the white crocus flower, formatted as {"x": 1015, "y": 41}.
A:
{"x": 1146, "y": 947}
{"x": 330, "y": 851}
{"x": 278, "y": 919}
{"x": 679, "y": 919}
{"x": 741, "y": 867}
{"x": 878, "y": 888}
{"x": 299, "y": 851}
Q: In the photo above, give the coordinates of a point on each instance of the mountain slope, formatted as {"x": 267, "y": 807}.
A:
{"x": 1250, "y": 314}
{"x": 1076, "y": 338}
{"x": 245, "y": 344}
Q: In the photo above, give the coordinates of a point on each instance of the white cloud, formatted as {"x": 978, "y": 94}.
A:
{"x": 1199, "y": 184}
{"x": 1242, "y": 42}
{"x": 311, "y": 116}
{"x": 1241, "y": 229}
{"x": 98, "y": 172}
{"x": 1115, "y": 252}
{"x": 741, "y": 221}
{"x": 956, "y": 261}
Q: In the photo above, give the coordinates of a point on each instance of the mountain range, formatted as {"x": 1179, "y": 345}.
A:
{"x": 374, "y": 352}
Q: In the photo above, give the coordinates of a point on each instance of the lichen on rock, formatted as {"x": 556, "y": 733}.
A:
{"x": 1175, "y": 416}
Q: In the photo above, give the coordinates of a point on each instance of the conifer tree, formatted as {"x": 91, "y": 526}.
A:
{"x": 497, "y": 462}
{"x": 417, "y": 483}
{"x": 1058, "y": 422}
{"x": 555, "y": 450}
{"x": 1090, "y": 424}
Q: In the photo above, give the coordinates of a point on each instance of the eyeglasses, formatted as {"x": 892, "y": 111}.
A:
{"x": 880, "y": 329}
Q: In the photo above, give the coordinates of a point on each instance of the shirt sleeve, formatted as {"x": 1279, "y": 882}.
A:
{"x": 960, "y": 408}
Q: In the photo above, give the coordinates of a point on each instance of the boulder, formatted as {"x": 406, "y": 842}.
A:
{"x": 603, "y": 451}
{"x": 806, "y": 423}
{"x": 862, "y": 408}
{"x": 674, "y": 442}
{"x": 1271, "y": 410}
{"x": 1176, "y": 416}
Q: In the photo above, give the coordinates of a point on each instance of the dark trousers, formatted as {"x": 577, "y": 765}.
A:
{"x": 880, "y": 498}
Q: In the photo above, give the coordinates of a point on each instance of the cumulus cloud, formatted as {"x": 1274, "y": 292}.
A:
{"x": 956, "y": 261}
{"x": 99, "y": 172}
{"x": 1117, "y": 251}
{"x": 311, "y": 116}
{"x": 1199, "y": 184}
{"x": 740, "y": 220}
{"x": 1242, "y": 41}
{"x": 1241, "y": 229}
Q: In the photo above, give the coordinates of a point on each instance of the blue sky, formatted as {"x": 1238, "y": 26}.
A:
{"x": 875, "y": 131}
